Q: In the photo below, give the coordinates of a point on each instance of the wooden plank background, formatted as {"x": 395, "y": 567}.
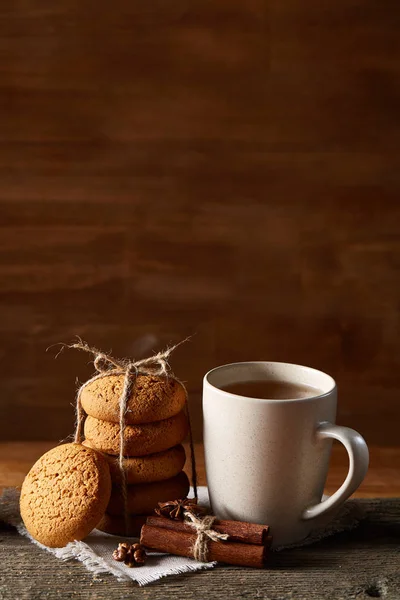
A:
{"x": 226, "y": 169}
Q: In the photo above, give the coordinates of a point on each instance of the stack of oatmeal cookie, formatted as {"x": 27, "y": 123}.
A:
{"x": 156, "y": 424}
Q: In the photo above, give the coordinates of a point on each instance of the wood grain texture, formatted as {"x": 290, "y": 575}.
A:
{"x": 350, "y": 566}
{"x": 228, "y": 169}
{"x": 382, "y": 480}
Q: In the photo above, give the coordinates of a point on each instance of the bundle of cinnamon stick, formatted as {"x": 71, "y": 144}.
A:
{"x": 246, "y": 545}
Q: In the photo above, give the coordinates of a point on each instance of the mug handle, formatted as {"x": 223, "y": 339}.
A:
{"x": 357, "y": 450}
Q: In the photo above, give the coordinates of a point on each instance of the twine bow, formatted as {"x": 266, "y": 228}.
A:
{"x": 205, "y": 533}
{"x": 156, "y": 365}
{"x": 106, "y": 365}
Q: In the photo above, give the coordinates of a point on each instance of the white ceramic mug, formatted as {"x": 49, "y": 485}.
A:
{"x": 267, "y": 460}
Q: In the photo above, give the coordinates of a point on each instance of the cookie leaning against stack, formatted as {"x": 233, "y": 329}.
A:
{"x": 65, "y": 494}
{"x": 156, "y": 424}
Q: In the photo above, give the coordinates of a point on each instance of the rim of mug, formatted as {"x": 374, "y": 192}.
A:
{"x": 270, "y": 362}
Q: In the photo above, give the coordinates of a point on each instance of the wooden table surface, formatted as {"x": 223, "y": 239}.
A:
{"x": 382, "y": 480}
{"x": 357, "y": 565}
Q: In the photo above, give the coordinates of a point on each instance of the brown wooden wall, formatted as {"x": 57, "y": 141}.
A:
{"x": 223, "y": 168}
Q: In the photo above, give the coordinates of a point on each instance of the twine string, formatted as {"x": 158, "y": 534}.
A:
{"x": 191, "y": 445}
{"x": 106, "y": 365}
{"x": 205, "y": 533}
{"x": 129, "y": 385}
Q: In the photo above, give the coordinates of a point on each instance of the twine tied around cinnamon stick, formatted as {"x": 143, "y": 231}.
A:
{"x": 106, "y": 365}
{"x": 205, "y": 533}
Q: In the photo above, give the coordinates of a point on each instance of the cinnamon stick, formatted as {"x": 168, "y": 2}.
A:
{"x": 181, "y": 543}
{"x": 238, "y": 531}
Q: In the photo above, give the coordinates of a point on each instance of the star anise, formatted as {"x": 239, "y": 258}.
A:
{"x": 175, "y": 509}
